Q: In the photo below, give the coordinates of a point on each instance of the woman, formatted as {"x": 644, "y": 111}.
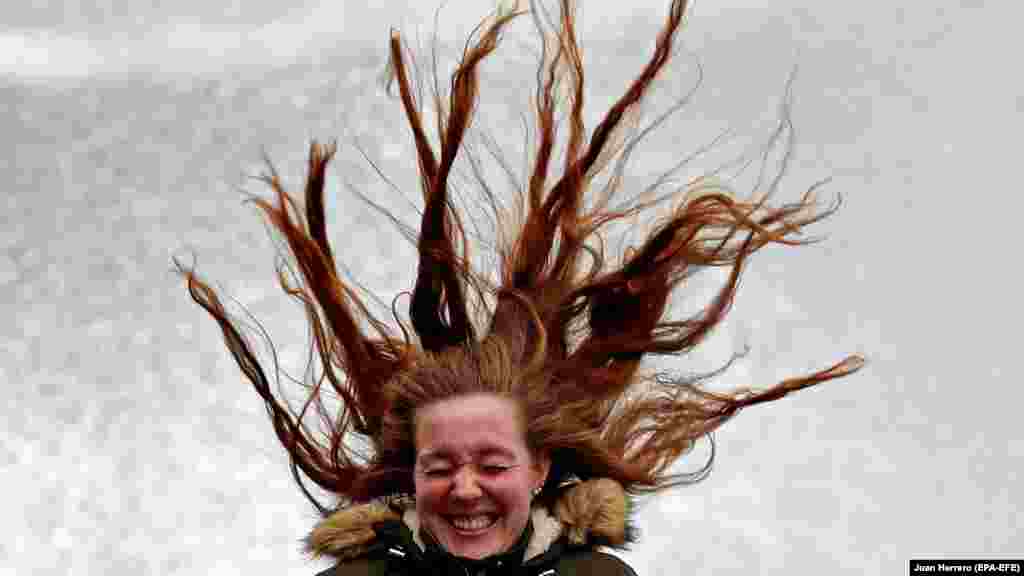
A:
{"x": 512, "y": 444}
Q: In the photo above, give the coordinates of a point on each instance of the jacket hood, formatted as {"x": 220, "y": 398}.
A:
{"x": 589, "y": 513}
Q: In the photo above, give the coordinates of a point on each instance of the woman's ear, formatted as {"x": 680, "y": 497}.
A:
{"x": 541, "y": 466}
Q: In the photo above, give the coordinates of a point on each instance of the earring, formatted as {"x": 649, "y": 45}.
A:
{"x": 535, "y": 491}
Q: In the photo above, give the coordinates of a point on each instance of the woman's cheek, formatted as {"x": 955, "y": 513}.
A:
{"x": 436, "y": 489}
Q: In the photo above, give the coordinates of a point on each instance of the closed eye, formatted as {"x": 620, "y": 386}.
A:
{"x": 440, "y": 472}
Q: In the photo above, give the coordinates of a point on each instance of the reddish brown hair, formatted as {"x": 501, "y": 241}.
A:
{"x": 565, "y": 340}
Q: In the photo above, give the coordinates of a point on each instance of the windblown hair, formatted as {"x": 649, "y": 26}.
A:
{"x": 564, "y": 340}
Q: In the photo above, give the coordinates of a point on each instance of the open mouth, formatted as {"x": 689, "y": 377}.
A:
{"x": 472, "y": 525}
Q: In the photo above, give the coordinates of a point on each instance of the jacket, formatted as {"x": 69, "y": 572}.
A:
{"x": 383, "y": 539}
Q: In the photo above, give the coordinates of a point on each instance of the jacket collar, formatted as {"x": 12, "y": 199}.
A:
{"x": 589, "y": 513}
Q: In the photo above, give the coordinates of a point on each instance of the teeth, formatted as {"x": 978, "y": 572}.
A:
{"x": 473, "y": 523}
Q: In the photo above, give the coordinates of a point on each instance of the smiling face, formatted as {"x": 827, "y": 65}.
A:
{"x": 471, "y": 461}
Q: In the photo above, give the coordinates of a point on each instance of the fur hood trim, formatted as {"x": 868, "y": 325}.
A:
{"x": 588, "y": 512}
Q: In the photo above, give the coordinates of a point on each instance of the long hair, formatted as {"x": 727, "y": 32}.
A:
{"x": 563, "y": 339}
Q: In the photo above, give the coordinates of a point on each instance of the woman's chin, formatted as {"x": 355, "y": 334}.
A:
{"x": 474, "y": 553}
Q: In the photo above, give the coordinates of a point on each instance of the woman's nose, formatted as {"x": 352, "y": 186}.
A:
{"x": 466, "y": 485}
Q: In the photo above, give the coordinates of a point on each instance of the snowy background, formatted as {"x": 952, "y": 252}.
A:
{"x": 131, "y": 445}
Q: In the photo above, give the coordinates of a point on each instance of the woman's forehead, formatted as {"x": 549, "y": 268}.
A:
{"x": 469, "y": 425}
{"x": 470, "y": 432}
{"x": 470, "y": 409}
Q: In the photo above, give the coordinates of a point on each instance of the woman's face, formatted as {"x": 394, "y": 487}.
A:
{"x": 471, "y": 462}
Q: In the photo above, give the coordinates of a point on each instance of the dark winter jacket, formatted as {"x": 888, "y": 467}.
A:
{"x": 560, "y": 539}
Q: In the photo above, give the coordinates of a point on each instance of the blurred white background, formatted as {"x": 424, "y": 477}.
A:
{"x": 131, "y": 444}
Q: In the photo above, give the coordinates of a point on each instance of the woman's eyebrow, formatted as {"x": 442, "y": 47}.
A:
{"x": 445, "y": 453}
{"x": 496, "y": 451}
